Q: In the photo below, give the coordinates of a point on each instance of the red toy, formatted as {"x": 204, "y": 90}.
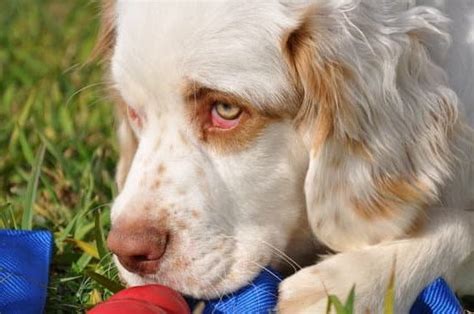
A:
{"x": 152, "y": 299}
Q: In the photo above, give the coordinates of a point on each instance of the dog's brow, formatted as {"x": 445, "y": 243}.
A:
{"x": 193, "y": 90}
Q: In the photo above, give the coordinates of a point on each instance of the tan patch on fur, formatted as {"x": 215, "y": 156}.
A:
{"x": 161, "y": 169}
{"x": 200, "y": 172}
{"x": 391, "y": 195}
{"x": 358, "y": 148}
{"x": 183, "y": 139}
{"x": 181, "y": 225}
{"x": 156, "y": 185}
{"x": 375, "y": 208}
{"x": 180, "y": 264}
{"x": 195, "y": 214}
{"x": 252, "y": 122}
{"x": 417, "y": 226}
{"x": 147, "y": 207}
{"x": 107, "y": 31}
{"x": 321, "y": 84}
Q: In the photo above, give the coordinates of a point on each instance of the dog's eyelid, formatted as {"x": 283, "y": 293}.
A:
{"x": 135, "y": 115}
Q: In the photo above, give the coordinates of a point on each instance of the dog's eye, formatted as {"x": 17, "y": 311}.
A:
{"x": 226, "y": 111}
{"x": 225, "y": 115}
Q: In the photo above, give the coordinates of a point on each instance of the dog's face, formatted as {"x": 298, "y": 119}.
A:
{"x": 239, "y": 119}
{"x": 219, "y": 167}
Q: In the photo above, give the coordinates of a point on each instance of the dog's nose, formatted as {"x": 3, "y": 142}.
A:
{"x": 138, "y": 249}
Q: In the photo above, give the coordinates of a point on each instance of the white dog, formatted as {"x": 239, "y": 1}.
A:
{"x": 252, "y": 133}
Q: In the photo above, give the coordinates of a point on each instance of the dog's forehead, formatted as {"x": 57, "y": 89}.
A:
{"x": 233, "y": 46}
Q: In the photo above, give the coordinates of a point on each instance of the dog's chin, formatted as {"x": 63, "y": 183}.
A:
{"x": 211, "y": 285}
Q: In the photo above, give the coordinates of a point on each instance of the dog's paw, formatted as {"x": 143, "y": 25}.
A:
{"x": 304, "y": 292}
{"x": 307, "y": 291}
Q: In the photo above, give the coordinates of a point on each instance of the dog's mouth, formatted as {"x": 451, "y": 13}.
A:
{"x": 201, "y": 276}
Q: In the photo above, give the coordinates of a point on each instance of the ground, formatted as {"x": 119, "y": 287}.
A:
{"x": 51, "y": 99}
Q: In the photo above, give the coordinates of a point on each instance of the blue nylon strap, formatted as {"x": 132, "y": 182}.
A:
{"x": 24, "y": 265}
{"x": 437, "y": 298}
{"x": 259, "y": 297}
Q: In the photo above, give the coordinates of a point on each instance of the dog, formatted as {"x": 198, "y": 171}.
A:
{"x": 328, "y": 139}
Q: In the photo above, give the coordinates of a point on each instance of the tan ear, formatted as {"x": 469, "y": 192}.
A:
{"x": 378, "y": 123}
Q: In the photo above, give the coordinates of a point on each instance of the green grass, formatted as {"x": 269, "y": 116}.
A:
{"x": 57, "y": 152}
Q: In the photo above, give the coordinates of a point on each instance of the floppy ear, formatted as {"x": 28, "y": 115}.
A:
{"x": 103, "y": 50}
{"x": 376, "y": 116}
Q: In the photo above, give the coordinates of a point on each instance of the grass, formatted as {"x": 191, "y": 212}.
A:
{"x": 57, "y": 149}
{"x": 57, "y": 153}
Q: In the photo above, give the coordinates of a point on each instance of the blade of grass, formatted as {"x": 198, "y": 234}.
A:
{"x": 22, "y": 118}
{"x": 30, "y": 196}
{"x": 350, "y": 301}
{"x": 82, "y": 263}
{"x": 95, "y": 297}
{"x": 88, "y": 248}
{"x": 12, "y": 217}
{"x": 99, "y": 235}
{"x": 105, "y": 282}
{"x": 7, "y": 216}
{"x": 57, "y": 155}
{"x": 25, "y": 147}
{"x": 389, "y": 303}
{"x": 334, "y": 301}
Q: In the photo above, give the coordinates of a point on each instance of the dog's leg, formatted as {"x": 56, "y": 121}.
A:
{"x": 444, "y": 244}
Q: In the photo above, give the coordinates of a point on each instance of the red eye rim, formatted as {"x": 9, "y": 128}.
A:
{"x": 219, "y": 122}
{"x": 134, "y": 117}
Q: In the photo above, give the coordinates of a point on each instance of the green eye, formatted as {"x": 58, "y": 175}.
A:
{"x": 227, "y": 111}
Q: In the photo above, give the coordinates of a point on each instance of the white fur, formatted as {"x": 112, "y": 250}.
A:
{"x": 252, "y": 204}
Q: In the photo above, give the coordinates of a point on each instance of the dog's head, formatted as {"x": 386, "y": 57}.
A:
{"x": 238, "y": 120}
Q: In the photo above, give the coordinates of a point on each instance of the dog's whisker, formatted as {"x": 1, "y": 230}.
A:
{"x": 93, "y": 85}
{"x": 283, "y": 255}
{"x": 278, "y": 253}
{"x": 267, "y": 270}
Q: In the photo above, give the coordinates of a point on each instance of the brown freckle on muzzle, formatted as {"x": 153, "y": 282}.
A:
{"x": 183, "y": 138}
{"x": 180, "y": 264}
{"x": 200, "y": 172}
{"x": 147, "y": 207}
{"x": 181, "y": 225}
{"x": 156, "y": 185}
{"x": 161, "y": 169}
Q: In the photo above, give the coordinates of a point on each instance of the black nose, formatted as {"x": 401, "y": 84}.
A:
{"x": 139, "y": 251}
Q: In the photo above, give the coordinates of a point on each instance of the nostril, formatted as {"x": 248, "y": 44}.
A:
{"x": 138, "y": 252}
{"x": 140, "y": 264}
